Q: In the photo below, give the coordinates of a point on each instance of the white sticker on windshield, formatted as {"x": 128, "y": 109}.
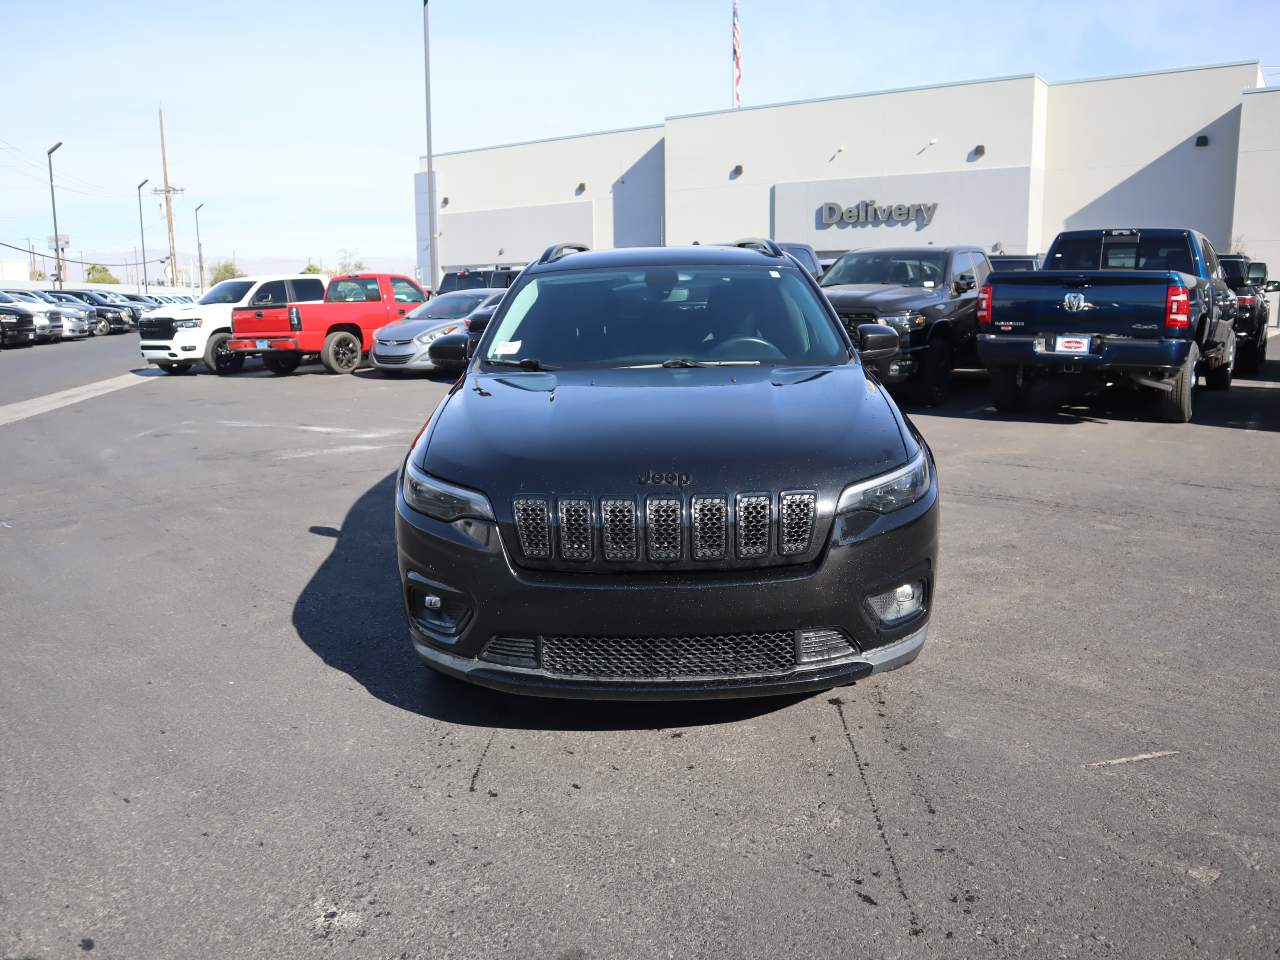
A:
{"x": 929, "y": 283}
{"x": 775, "y": 274}
{"x": 507, "y": 346}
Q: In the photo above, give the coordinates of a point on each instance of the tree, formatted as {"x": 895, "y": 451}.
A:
{"x": 99, "y": 274}
{"x": 38, "y": 274}
{"x": 225, "y": 270}
{"x": 312, "y": 267}
{"x": 348, "y": 262}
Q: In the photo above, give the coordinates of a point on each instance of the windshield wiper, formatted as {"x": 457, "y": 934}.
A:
{"x": 524, "y": 363}
{"x": 682, "y": 362}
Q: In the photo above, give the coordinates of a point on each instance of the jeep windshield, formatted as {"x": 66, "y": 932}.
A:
{"x": 228, "y": 291}
{"x": 701, "y": 316}
{"x": 897, "y": 268}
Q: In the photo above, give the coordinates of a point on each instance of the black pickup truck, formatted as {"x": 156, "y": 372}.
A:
{"x": 1147, "y": 306}
{"x": 1248, "y": 278}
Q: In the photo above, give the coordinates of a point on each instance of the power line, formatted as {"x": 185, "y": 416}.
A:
{"x": 86, "y": 263}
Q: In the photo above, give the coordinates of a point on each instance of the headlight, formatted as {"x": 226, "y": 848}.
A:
{"x": 890, "y": 491}
{"x": 432, "y": 334}
{"x": 187, "y": 324}
{"x": 113, "y": 314}
{"x": 443, "y": 500}
{"x": 903, "y": 322}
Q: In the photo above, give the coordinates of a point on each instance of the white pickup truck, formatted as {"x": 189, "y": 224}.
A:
{"x": 176, "y": 336}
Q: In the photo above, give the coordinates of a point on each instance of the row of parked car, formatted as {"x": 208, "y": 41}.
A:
{"x": 1153, "y": 308}
{"x": 43, "y": 316}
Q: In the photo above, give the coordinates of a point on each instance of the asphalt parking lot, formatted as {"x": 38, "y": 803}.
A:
{"x": 214, "y": 740}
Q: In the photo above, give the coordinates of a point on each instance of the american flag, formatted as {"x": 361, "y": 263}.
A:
{"x": 737, "y": 59}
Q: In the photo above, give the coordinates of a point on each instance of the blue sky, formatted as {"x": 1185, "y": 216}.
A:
{"x": 299, "y": 124}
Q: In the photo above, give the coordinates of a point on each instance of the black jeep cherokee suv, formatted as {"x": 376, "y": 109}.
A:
{"x": 667, "y": 473}
{"x": 928, "y": 294}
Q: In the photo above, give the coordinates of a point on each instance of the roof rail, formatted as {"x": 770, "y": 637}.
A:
{"x": 558, "y": 250}
{"x": 767, "y": 247}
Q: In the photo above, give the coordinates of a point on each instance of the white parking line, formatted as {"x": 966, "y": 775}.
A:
{"x": 1134, "y": 759}
{"x": 23, "y": 409}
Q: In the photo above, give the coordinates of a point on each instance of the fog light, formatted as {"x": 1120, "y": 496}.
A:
{"x": 432, "y": 602}
{"x": 898, "y": 604}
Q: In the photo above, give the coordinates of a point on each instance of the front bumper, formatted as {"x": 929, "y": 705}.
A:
{"x": 410, "y": 356}
{"x": 1106, "y": 353}
{"x": 488, "y": 596}
{"x": 186, "y": 346}
{"x": 74, "y": 329}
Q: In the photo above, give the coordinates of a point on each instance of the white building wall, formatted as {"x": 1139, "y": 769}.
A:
{"x": 1257, "y": 201}
{"x": 870, "y": 138}
{"x": 1121, "y": 151}
{"x": 602, "y": 189}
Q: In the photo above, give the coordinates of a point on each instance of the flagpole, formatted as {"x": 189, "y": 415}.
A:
{"x": 433, "y": 248}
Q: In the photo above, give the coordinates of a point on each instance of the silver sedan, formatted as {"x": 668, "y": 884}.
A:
{"x": 403, "y": 345}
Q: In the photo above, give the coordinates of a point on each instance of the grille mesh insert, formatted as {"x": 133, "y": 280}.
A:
{"x": 532, "y": 527}
{"x": 618, "y": 527}
{"x": 665, "y": 658}
{"x": 754, "y": 522}
{"x": 575, "y": 530}
{"x": 709, "y": 519}
{"x": 796, "y": 519}
{"x": 662, "y": 518}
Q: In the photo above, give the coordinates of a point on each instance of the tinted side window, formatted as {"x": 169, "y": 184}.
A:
{"x": 1210, "y": 258}
{"x": 304, "y": 291}
{"x": 962, "y": 262}
{"x": 981, "y": 267}
{"x": 355, "y": 290}
{"x": 270, "y": 294}
{"x": 405, "y": 292}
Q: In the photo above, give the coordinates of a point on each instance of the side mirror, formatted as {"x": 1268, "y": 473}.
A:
{"x": 1272, "y": 286}
{"x": 449, "y": 350}
{"x": 876, "y": 342}
{"x": 476, "y": 325}
{"x": 965, "y": 282}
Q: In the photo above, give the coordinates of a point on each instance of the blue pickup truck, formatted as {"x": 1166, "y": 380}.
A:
{"x": 1148, "y": 306}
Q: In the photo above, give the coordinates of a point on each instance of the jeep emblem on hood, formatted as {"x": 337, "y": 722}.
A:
{"x": 657, "y": 478}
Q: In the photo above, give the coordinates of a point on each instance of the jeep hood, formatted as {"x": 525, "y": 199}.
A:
{"x": 725, "y": 429}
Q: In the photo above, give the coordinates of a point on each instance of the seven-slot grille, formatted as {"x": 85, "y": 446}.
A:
{"x": 654, "y": 529}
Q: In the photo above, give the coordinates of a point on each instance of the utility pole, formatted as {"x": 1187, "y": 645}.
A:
{"x": 142, "y": 230}
{"x": 434, "y": 246}
{"x": 53, "y": 200}
{"x": 199, "y": 247}
{"x": 167, "y": 192}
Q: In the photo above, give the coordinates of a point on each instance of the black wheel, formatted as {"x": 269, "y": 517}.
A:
{"x": 219, "y": 359}
{"x": 1010, "y": 388}
{"x": 932, "y": 380}
{"x": 1178, "y": 404}
{"x": 1219, "y": 377}
{"x": 341, "y": 352}
{"x": 282, "y": 364}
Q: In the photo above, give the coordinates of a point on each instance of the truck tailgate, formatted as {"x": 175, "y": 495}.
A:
{"x": 1127, "y": 303}
{"x": 256, "y": 321}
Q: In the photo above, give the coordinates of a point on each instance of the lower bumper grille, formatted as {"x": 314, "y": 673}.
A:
{"x": 391, "y": 360}
{"x": 670, "y": 658}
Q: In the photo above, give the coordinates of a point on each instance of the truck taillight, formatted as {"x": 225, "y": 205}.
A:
{"x": 1245, "y": 301}
{"x": 1177, "y": 308}
{"x": 984, "y": 305}
{"x": 295, "y": 319}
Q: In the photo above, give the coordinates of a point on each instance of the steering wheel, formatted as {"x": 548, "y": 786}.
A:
{"x": 757, "y": 347}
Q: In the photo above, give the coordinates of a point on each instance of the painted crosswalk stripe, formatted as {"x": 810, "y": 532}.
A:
{"x": 24, "y": 409}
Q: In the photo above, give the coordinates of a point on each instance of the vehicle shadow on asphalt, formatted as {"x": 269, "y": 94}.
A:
{"x": 351, "y": 616}
{"x": 1252, "y": 403}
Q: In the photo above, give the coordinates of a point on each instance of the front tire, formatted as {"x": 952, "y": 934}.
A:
{"x": 1178, "y": 405}
{"x": 341, "y": 352}
{"x": 932, "y": 381}
{"x": 219, "y": 359}
{"x": 102, "y": 328}
{"x": 1010, "y": 389}
{"x": 282, "y": 364}
{"x": 1219, "y": 377}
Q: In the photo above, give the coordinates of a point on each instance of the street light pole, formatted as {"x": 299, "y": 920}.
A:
{"x": 199, "y": 248}
{"x": 53, "y": 200}
{"x": 431, "y": 173}
{"x": 142, "y": 230}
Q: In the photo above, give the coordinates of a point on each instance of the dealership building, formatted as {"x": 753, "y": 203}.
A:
{"x": 1004, "y": 163}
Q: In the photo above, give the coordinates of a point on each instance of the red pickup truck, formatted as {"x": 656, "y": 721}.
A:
{"x": 339, "y": 329}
